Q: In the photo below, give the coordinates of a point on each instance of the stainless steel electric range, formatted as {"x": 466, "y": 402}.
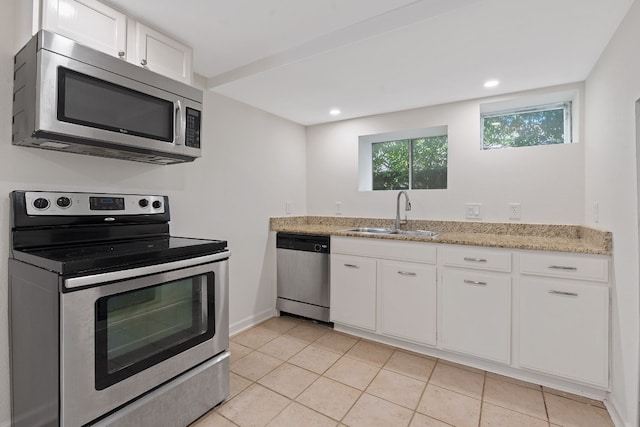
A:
{"x": 112, "y": 320}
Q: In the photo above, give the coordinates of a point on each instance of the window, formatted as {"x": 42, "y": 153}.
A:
{"x": 419, "y": 164}
{"x": 404, "y": 160}
{"x": 525, "y": 127}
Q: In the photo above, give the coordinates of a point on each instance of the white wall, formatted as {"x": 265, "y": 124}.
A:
{"x": 612, "y": 89}
{"x": 548, "y": 181}
{"x": 252, "y": 162}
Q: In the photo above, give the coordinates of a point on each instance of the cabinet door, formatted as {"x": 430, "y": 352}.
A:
{"x": 353, "y": 291}
{"x": 88, "y": 22}
{"x": 476, "y": 314}
{"x": 564, "y": 329}
{"x": 161, "y": 54}
{"x": 408, "y": 301}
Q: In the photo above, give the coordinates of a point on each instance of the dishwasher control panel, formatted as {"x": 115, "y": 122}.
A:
{"x": 303, "y": 242}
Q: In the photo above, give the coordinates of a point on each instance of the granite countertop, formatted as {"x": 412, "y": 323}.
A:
{"x": 546, "y": 237}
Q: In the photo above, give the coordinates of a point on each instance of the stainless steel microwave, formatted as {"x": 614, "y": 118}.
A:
{"x": 68, "y": 97}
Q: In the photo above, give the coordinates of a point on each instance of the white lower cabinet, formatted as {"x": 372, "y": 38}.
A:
{"x": 476, "y": 314}
{"x": 465, "y": 299}
{"x": 408, "y": 301}
{"x": 353, "y": 291}
{"x": 564, "y": 329}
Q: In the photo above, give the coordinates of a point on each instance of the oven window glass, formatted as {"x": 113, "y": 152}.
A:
{"x": 88, "y": 101}
{"x": 138, "y": 329}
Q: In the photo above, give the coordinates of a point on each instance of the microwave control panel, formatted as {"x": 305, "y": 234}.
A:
{"x": 192, "y": 130}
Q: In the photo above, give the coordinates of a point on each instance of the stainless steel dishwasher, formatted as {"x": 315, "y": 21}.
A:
{"x": 303, "y": 275}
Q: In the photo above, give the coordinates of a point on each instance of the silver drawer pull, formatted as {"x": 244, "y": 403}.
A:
{"x": 351, "y": 266}
{"x": 562, "y": 267}
{"x": 475, "y": 282}
{"x": 567, "y": 294}
{"x": 475, "y": 259}
{"x": 407, "y": 273}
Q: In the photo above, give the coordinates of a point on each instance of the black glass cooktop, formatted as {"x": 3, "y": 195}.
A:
{"x": 114, "y": 255}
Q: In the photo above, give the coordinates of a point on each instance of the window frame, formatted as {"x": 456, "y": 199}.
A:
{"x": 365, "y": 152}
{"x": 566, "y": 105}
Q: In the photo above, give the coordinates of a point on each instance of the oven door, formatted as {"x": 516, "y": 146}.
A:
{"x": 121, "y": 339}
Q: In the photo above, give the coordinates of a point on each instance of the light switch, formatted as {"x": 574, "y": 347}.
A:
{"x": 473, "y": 210}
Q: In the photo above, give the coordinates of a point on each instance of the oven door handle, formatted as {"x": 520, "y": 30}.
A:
{"x": 76, "y": 282}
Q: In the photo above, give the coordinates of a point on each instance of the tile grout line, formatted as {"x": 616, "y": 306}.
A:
{"x": 321, "y": 375}
{"x": 484, "y": 386}
{"x": 426, "y": 384}
{"x": 368, "y": 384}
{"x": 547, "y": 420}
{"x": 275, "y": 391}
{"x": 546, "y": 408}
{"x": 425, "y": 390}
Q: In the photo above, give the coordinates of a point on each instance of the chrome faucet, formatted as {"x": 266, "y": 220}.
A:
{"x": 407, "y": 207}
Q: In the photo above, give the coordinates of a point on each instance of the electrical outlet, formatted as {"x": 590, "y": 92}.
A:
{"x": 596, "y": 212}
{"x": 514, "y": 211}
{"x": 473, "y": 210}
{"x": 338, "y": 208}
{"x": 287, "y": 208}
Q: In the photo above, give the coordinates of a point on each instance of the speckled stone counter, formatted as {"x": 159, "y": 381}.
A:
{"x": 546, "y": 237}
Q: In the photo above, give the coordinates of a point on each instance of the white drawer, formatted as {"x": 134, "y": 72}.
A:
{"x": 385, "y": 248}
{"x": 476, "y": 258}
{"x": 565, "y": 266}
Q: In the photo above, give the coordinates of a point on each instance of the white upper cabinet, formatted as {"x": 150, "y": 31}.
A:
{"x": 103, "y": 28}
{"x": 88, "y": 22}
{"x": 159, "y": 53}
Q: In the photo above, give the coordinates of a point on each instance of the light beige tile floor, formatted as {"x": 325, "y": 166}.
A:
{"x": 293, "y": 372}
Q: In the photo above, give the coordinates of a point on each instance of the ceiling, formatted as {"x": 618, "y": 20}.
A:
{"x": 298, "y": 59}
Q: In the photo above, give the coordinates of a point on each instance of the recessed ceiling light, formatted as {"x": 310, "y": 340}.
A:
{"x": 491, "y": 83}
{"x": 335, "y": 112}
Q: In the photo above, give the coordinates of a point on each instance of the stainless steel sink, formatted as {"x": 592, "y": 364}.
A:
{"x": 420, "y": 233}
{"x": 371, "y": 230}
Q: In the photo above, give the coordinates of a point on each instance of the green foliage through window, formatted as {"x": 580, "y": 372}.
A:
{"x": 542, "y": 125}
{"x": 419, "y": 163}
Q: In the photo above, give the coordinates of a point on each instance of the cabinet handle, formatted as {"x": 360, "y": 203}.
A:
{"x": 562, "y": 267}
{"x": 407, "y": 273}
{"x": 475, "y": 259}
{"x": 143, "y": 62}
{"x": 475, "y": 282}
{"x": 567, "y": 294}
{"x": 121, "y": 54}
{"x": 351, "y": 266}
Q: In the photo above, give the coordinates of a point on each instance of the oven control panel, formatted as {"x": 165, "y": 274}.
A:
{"x": 68, "y": 204}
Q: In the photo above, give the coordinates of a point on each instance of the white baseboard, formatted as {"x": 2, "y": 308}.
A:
{"x": 247, "y": 322}
{"x": 618, "y": 421}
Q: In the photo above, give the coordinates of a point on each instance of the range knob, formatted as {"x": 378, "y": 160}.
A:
{"x": 41, "y": 203}
{"x": 143, "y": 203}
{"x": 157, "y": 204}
{"x": 63, "y": 202}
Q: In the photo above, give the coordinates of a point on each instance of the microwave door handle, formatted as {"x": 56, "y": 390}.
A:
{"x": 178, "y": 125}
